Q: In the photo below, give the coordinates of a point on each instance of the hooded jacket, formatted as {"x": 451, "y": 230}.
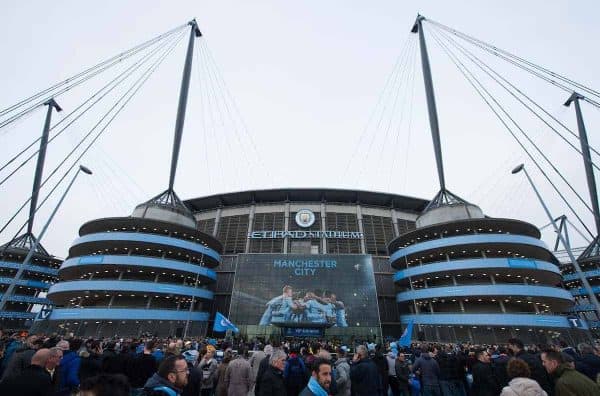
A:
{"x": 429, "y": 368}
{"x": 521, "y": 386}
{"x": 156, "y": 381}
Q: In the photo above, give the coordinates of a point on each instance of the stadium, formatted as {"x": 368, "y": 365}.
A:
{"x": 312, "y": 262}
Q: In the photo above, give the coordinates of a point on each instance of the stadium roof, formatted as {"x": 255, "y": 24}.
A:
{"x": 411, "y": 204}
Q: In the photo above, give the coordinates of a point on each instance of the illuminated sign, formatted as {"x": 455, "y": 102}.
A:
{"x": 305, "y": 234}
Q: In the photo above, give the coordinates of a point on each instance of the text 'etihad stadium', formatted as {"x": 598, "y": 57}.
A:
{"x": 305, "y": 234}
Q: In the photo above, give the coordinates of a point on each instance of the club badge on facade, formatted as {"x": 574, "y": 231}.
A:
{"x": 305, "y": 218}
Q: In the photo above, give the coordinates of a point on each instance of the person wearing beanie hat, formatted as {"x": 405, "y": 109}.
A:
{"x": 208, "y": 367}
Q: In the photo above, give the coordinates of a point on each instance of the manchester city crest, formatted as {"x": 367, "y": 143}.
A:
{"x": 305, "y": 218}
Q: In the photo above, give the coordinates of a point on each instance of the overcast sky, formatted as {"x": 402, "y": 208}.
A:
{"x": 305, "y": 101}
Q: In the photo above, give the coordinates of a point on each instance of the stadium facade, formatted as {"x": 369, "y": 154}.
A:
{"x": 589, "y": 262}
{"x": 312, "y": 262}
{"x": 150, "y": 273}
{"x": 37, "y": 277}
{"x": 464, "y": 276}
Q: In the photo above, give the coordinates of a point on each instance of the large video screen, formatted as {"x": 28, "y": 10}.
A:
{"x": 324, "y": 291}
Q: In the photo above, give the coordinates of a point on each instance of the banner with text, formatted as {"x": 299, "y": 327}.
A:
{"x": 313, "y": 291}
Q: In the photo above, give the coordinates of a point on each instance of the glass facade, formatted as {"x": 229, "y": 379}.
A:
{"x": 231, "y": 220}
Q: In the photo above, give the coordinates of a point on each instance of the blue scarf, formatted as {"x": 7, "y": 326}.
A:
{"x": 315, "y": 388}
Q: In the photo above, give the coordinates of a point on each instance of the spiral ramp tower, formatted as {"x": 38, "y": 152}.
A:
{"x": 463, "y": 276}
{"x": 150, "y": 273}
{"x": 39, "y": 275}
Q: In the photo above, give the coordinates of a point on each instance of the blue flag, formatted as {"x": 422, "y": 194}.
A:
{"x": 407, "y": 335}
{"x": 223, "y": 324}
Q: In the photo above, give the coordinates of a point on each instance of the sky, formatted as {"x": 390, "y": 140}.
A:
{"x": 296, "y": 94}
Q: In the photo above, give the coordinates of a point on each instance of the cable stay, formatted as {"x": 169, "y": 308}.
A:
{"x": 108, "y": 88}
{"x": 233, "y": 109}
{"x": 391, "y": 77}
{"x": 120, "y": 103}
{"x": 532, "y": 68}
{"x": 389, "y": 106}
{"x": 480, "y": 89}
{"x": 496, "y": 76}
{"x": 541, "y": 153}
{"x": 71, "y": 82}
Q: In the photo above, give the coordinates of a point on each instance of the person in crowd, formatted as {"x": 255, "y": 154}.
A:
{"x": 170, "y": 379}
{"x": 34, "y": 380}
{"x": 391, "y": 364}
{"x": 112, "y": 361}
{"x": 255, "y": 360}
{"x": 342, "y": 369}
{"x": 587, "y": 362}
{"x": 143, "y": 365}
{"x": 221, "y": 388}
{"x": 567, "y": 380}
{"x": 364, "y": 375}
{"x": 535, "y": 364}
{"x": 402, "y": 374}
{"x": 382, "y": 367}
{"x": 271, "y": 381}
{"x": 500, "y": 365}
{"x": 452, "y": 372}
{"x": 295, "y": 373}
{"x": 105, "y": 385}
{"x": 69, "y": 368}
{"x": 21, "y": 358}
{"x": 320, "y": 379}
{"x": 484, "y": 380}
{"x": 519, "y": 382}
{"x": 325, "y": 355}
{"x": 52, "y": 366}
{"x": 194, "y": 384}
{"x": 238, "y": 376}
{"x": 208, "y": 368}
{"x": 429, "y": 370}
{"x": 91, "y": 361}
{"x": 262, "y": 367}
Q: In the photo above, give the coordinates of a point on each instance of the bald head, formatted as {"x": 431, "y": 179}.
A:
{"x": 64, "y": 345}
{"x": 40, "y": 357}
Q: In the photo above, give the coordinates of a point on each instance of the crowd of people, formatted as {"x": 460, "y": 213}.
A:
{"x": 49, "y": 365}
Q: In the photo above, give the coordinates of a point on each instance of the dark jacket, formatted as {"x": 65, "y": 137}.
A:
{"x": 402, "y": 374}
{"x": 429, "y": 368}
{"x": 262, "y": 368}
{"x": 32, "y": 381}
{"x": 18, "y": 362}
{"x": 364, "y": 377}
{"x": 383, "y": 369}
{"x": 588, "y": 364}
{"x": 155, "y": 382}
{"x": 68, "y": 380}
{"x": 90, "y": 366}
{"x": 295, "y": 375}
{"x": 484, "y": 380}
{"x": 538, "y": 372}
{"x": 141, "y": 368}
{"x": 306, "y": 392}
{"x": 271, "y": 383}
{"x": 194, "y": 383}
{"x": 450, "y": 367}
{"x": 115, "y": 363}
{"x": 499, "y": 366}
{"x": 569, "y": 382}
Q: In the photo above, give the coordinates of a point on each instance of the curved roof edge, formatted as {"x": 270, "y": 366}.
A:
{"x": 406, "y": 203}
{"x": 518, "y": 227}
{"x": 100, "y": 225}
